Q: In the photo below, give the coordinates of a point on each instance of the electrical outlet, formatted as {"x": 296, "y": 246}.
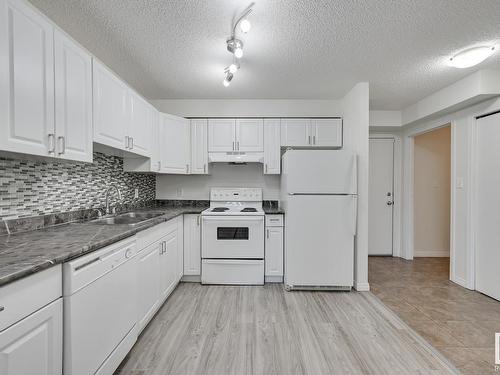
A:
{"x": 136, "y": 193}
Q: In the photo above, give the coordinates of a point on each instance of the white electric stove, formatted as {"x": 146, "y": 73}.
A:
{"x": 232, "y": 245}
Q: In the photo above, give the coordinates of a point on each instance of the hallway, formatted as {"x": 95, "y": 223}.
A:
{"x": 458, "y": 322}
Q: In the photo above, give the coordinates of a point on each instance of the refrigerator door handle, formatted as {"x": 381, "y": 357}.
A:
{"x": 354, "y": 215}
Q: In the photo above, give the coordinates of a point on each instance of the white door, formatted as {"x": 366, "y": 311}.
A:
{"x": 168, "y": 265}
{"x": 33, "y": 346}
{"x": 380, "y": 204}
{"x": 319, "y": 240}
{"x": 27, "y": 80}
{"x": 295, "y": 132}
{"x": 250, "y": 135}
{"x": 199, "y": 146}
{"x": 192, "y": 245}
{"x": 148, "y": 279}
{"x": 140, "y": 125}
{"x": 327, "y": 132}
{"x": 221, "y": 135}
{"x": 272, "y": 150}
{"x": 73, "y": 95}
{"x": 175, "y": 144}
{"x": 274, "y": 251}
{"x": 488, "y": 206}
{"x": 111, "y": 109}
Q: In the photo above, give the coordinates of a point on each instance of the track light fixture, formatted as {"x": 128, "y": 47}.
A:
{"x": 235, "y": 45}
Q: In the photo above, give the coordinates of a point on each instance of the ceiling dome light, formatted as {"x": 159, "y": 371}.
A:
{"x": 238, "y": 53}
{"x": 245, "y": 25}
{"x": 227, "y": 80}
{"x": 471, "y": 57}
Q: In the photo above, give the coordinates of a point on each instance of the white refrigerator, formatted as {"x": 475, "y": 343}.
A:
{"x": 319, "y": 197}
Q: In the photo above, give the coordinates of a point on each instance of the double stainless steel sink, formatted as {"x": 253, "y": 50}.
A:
{"x": 128, "y": 218}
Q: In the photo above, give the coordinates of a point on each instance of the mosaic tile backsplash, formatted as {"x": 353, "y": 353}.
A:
{"x": 29, "y": 188}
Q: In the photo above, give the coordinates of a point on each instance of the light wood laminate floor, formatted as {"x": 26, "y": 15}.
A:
{"x": 265, "y": 330}
{"x": 458, "y": 322}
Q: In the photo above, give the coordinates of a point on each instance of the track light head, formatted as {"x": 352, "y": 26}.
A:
{"x": 228, "y": 79}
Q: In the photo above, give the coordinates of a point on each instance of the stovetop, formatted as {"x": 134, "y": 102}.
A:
{"x": 235, "y": 201}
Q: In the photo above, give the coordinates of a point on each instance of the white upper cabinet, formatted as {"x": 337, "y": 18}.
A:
{"x": 73, "y": 95}
{"x": 295, "y": 132}
{"x": 140, "y": 125}
{"x": 327, "y": 132}
{"x": 272, "y": 150}
{"x": 221, "y": 135}
{"x": 324, "y": 132}
{"x": 111, "y": 114}
{"x": 199, "y": 146}
{"x": 175, "y": 144}
{"x": 250, "y": 135}
{"x": 27, "y": 80}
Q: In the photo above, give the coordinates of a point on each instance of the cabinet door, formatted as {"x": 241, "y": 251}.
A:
{"x": 180, "y": 248}
{"x": 111, "y": 114}
{"x": 27, "y": 80}
{"x": 140, "y": 125}
{"x": 73, "y": 95}
{"x": 221, "y": 135}
{"x": 155, "y": 163}
{"x": 192, "y": 245}
{"x": 295, "y": 132}
{"x": 168, "y": 266}
{"x": 272, "y": 150}
{"x": 33, "y": 346}
{"x": 175, "y": 145}
{"x": 250, "y": 135}
{"x": 274, "y": 251}
{"x": 327, "y": 132}
{"x": 148, "y": 271}
{"x": 199, "y": 144}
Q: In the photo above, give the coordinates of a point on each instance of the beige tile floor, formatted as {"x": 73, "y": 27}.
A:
{"x": 458, "y": 322}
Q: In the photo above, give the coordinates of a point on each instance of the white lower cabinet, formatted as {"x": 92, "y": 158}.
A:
{"x": 168, "y": 265}
{"x": 192, "y": 245}
{"x": 33, "y": 346}
{"x": 274, "y": 248}
{"x": 148, "y": 276}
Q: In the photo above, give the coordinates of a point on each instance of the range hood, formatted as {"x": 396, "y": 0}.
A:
{"x": 236, "y": 157}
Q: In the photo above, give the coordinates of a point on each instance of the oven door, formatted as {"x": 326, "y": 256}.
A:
{"x": 232, "y": 237}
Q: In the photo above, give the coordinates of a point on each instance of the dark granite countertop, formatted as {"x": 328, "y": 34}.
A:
{"x": 273, "y": 210}
{"x": 25, "y": 253}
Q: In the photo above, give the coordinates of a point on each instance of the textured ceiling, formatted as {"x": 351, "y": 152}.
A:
{"x": 296, "y": 49}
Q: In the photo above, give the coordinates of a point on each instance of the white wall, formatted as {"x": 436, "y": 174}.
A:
{"x": 385, "y": 119}
{"x": 356, "y": 137}
{"x": 221, "y": 175}
{"x": 249, "y": 107}
{"x": 432, "y": 193}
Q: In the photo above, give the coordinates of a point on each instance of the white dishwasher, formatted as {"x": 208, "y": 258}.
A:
{"x": 100, "y": 316}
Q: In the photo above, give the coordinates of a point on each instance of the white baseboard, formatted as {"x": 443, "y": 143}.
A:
{"x": 431, "y": 254}
{"x": 191, "y": 278}
{"x": 273, "y": 279}
{"x": 361, "y": 287}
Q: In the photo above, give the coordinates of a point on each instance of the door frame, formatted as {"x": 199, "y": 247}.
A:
{"x": 397, "y": 208}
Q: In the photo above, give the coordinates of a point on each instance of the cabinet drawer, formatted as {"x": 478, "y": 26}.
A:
{"x": 274, "y": 220}
{"x": 148, "y": 236}
{"x": 25, "y": 296}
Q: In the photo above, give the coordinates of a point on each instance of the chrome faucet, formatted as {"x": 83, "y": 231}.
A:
{"x": 109, "y": 211}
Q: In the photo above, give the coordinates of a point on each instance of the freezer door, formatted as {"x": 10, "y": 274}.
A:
{"x": 319, "y": 240}
{"x": 319, "y": 171}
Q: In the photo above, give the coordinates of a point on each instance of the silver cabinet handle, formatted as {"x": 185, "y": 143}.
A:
{"x": 238, "y": 145}
{"x": 265, "y": 168}
{"x": 198, "y": 220}
{"x": 233, "y": 147}
{"x": 160, "y": 247}
{"x": 51, "y": 143}
{"x": 309, "y": 140}
{"x": 268, "y": 234}
{"x": 187, "y": 168}
{"x": 204, "y": 169}
{"x": 62, "y": 145}
{"x": 127, "y": 142}
{"x": 165, "y": 247}
{"x": 132, "y": 142}
{"x": 314, "y": 139}
{"x": 159, "y": 165}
